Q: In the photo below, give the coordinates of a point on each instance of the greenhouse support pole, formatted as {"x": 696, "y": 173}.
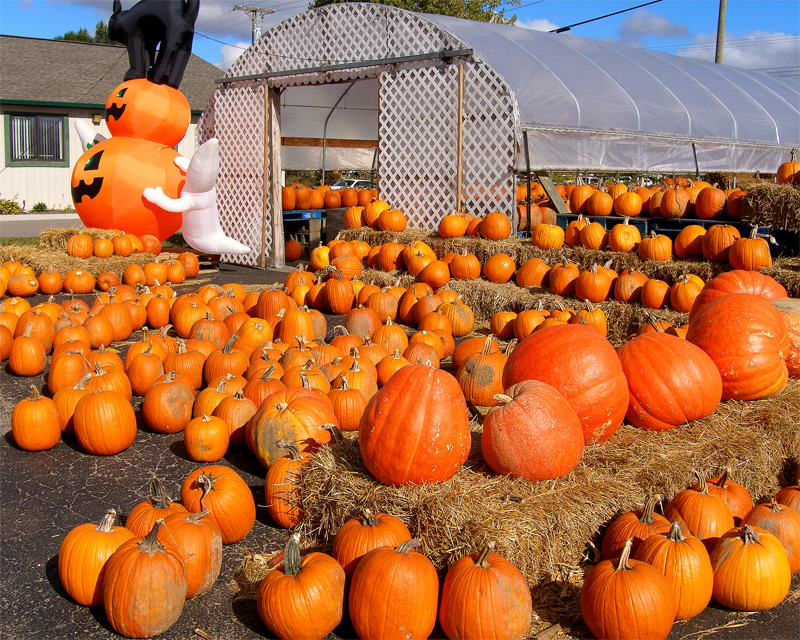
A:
{"x": 273, "y": 104}
{"x": 696, "y": 165}
{"x": 527, "y": 178}
{"x": 265, "y": 181}
{"x": 460, "y": 142}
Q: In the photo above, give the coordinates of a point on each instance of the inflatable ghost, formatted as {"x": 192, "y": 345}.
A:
{"x": 198, "y": 202}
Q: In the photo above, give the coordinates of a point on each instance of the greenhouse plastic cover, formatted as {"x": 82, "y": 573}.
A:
{"x": 590, "y": 104}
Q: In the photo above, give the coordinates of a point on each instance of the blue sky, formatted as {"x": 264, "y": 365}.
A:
{"x": 760, "y": 34}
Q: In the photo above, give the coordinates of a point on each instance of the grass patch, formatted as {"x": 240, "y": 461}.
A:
{"x": 27, "y": 242}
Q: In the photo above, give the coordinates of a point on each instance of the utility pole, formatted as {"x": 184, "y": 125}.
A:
{"x": 723, "y": 5}
{"x": 255, "y": 14}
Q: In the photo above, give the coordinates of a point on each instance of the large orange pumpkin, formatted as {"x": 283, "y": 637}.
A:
{"x": 108, "y": 180}
{"x": 415, "y": 430}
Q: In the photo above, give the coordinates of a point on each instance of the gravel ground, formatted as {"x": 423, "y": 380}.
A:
{"x": 44, "y": 495}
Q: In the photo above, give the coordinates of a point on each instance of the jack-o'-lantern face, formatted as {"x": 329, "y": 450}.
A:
{"x": 108, "y": 180}
{"x": 142, "y": 109}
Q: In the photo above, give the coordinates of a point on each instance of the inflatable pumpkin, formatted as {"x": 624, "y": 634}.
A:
{"x": 142, "y": 109}
{"x": 108, "y": 180}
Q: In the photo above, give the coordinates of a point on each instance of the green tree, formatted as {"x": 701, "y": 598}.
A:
{"x": 83, "y": 35}
{"x": 481, "y": 10}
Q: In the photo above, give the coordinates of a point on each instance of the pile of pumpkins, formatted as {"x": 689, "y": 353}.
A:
{"x": 711, "y": 543}
{"x": 81, "y": 245}
{"x": 298, "y": 197}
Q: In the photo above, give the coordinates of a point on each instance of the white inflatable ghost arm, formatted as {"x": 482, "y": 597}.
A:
{"x": 174, "y": 205}
{"x": 182, "y": 163}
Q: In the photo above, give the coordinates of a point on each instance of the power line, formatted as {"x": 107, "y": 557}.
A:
{"x": 742, "y": 42}
{"x": 608, "y": 15}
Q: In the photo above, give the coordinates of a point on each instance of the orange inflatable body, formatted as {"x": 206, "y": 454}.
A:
{"x": 142, "y": 109}
{"x": 108, "y": 180}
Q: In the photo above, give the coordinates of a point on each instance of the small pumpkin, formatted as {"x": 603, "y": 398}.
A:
{"x": 35, "y": 423}
{"x": 360, "y": 535}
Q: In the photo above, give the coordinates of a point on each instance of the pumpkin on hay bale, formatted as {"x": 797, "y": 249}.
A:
{"x": 56, "y": 239}
{"x": 46, "y": 260}
{"x": 548, "y": 529}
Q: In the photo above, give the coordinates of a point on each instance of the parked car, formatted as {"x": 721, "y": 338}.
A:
{"x": 352, "y": 183}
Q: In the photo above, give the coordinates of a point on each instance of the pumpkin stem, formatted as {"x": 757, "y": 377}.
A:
{"x": 502, "y": 398}
{"x": 158, "y": 494}
{"x": 701, "y": 481}
{"x": 775, "y": 506}
{"x": 483, "y": 558}
{"x": 650, "y": 502}
{"x": 292, "y": 450}
{"x": 107, "y": 522}
{"x": 406, "y": 547}
{"x": 197, "y": 517}
{"x": 35, "y": 395}
{"x": 291, "y": 556}
{"x": 748, "y": 534}
{"x": 281, "y": 406}
{"x": 675, "y": 534}
{"x": 367, "y": 519}
{"x": 206, "y": 482}
{"x": 150, "y": 545}
{"x": 267, "y": 375}
{"x": 623, "y": 564}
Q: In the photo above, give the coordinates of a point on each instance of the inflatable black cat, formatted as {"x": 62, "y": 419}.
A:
{"x": 158, "y": 34}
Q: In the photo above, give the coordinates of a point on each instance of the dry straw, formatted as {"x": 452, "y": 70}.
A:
{"x": 772, "y": 205}
{"x": 42, "y": 260}
{"x": 56, "y": 239}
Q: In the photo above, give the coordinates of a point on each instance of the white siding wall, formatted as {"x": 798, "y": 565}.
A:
{"x": 51, "y": 185}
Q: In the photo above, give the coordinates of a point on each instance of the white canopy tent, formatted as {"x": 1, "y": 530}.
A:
{"x": 441, "y": 106}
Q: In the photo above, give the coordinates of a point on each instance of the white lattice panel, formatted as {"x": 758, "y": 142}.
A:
{"x": 489, "y": 143}
{"x": 418, "y": 134}
{"x": 238, "y": 122}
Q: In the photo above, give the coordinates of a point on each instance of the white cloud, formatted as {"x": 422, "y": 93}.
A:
{"x": 540, "y": 24}
{"x": 644, "y": 24}
{"x": 755, "y": 50}
{"x": 230, "y": 53}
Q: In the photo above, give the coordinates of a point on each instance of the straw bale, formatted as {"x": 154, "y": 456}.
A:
{"x": 46, "y": 259}
{"x": 772, "y": 205}
{"x": 56, "y": 239}
{"x": 548, "y": 528}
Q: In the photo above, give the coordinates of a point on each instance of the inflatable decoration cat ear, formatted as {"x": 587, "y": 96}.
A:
{"x": 163, "y": 25}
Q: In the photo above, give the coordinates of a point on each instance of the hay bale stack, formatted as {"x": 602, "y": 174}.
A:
{"x": 772, "y": 205}
{"x": 545, "y": 528}
{"x": 784, "y": 270}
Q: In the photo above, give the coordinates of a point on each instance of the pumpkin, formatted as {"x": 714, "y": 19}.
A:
{"x": 594, "y": 236}
{"x": 789, "y": 496}
{"x": 685, "y": 564}
{"x": 683, "y": 293}
{"x": 199, "y": 543}
{"x": 733, "y": 494}
{"x": 547, "y": 236}
{"x": 629, "y": 204}
{"x": 292, "y": 415}
{"x": 746, "y": 338}
{"x": 51, "y": 282}
{"x": 636, "y": 526}
{"x": 144, "y": 515}
{"x": 562, "y": 278}
{"x": 360, "y": 535}
{"x": 789, "y": 171}
{"x": 593, "y": 285}
{"x": 600, "y": 204}
{"x": 670, "y": 381}
{"x": 415, "y": 429}
{"x": 225, "y": 495}
{"x": 790, "y": 310}
{"x": 35, "y": 423}
{"x": 583, "y": 366}
{"x": 167, "y": 405}
{"x": 462, "y": 319}
{"x": 495, "y": 226}
{"x": 579, "y": 197}
{"x": 700, "y": 512}
{"x": 80, "y": 245}
{"x": 751, "y": 570}
{"x": 280, "y": 486}
{"x": 394, "y": 593}
{"x": 144, "y": 586}
{"x": 717, "y": 242}
{"x": 655, "y": 247}
{"x": 689, "y": 241}
{"x": 499, "y": 268}
{"x": 481, "y": 376}
{"x": 782, "y": 522}
{"x": 738, "y": 281}
{"x": 465, "y": 266}
{"x": 674, "y": 203}
{"x": 534, "y": 433}
{"x": 533, "y": 273}
{"x": 751, "y": 253}
{"x": 628, "y": 599}
{"x": 313, "y": 585}
{"x": 485, "y": 596}
{"x": 105, "y": 423}
{"x": 572, "y": 234}
{"x": 82, "y": 558}
{"x": 624, "y": 237}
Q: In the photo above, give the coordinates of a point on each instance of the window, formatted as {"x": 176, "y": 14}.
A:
{"x": 36, "y": 139}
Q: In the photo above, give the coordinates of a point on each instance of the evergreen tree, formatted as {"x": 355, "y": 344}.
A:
{"x": 481, "y": 10}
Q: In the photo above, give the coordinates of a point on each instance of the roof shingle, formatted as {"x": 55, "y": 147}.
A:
{"x": 82, "y": 73}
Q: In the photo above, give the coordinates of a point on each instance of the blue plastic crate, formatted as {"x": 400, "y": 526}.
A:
{"x": 311, "y": 214}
